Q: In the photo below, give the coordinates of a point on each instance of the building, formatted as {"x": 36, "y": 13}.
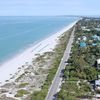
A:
{"x": 98, "y": 29}
{"x": 94, "y": 44}
{"x": 98, "y": 63}
{"x": 94, "y": 36}
{"x": 85, "y": 29}
{"x": 98, "y": 38}
{"x": 84, "y": 38}
{"x": 97, "y": 84}
{"x": 82, "y": 44}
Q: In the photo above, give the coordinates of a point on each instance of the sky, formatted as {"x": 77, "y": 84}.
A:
{"x": 49, "y": 7}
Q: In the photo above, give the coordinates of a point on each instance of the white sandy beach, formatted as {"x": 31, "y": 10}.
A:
{"x": 12, "y": 65}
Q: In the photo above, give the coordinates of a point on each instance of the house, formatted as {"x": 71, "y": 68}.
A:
{"x": 98, "y": 29}
{"x": 94, "y": 44}
{"x": 86, "y": 33}
{"x": 98, "y": 38}
{"x": 84, "y": 38}
{"x": 98, "y": 63}
{"x": 95, "y": 36}
{"x": 85, "y": 29}
{"x": 97, "y": 84}
{"x": 82, "y": 44}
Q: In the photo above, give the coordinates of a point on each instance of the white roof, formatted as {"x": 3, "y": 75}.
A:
{"x": 98, "y": 61}
{"x": 84, "y": 38}
{"x": 99, "y": 76}
{"x": 97, "y": 82}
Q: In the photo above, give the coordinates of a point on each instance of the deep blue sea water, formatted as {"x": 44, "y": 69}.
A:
{"x": 17, "y": 33}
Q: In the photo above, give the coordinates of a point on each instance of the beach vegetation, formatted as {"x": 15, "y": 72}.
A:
{"x": 57, "y": 53}
{"x": 22, "y": 85}
{"x": 20, "y": 76}
{"x": 21, "y": 93}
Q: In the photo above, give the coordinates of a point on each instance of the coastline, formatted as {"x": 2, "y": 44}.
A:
{"x": 12, "y": 65}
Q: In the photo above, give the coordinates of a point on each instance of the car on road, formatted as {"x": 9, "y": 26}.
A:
{"x": 55, "y": 96}
{"x": 62, "y": 73}
{"x": 65, "y": 62}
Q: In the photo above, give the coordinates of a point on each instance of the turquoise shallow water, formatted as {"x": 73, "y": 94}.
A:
{"x": 17, "y": 33}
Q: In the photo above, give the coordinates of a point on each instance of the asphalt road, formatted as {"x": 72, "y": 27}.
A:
{"x": 57, "y": 79}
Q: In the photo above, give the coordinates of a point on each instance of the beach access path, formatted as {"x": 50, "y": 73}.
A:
{"x": 56, "y": 83}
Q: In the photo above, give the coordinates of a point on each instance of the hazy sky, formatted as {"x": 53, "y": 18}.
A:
{"x": 49, "y": 7}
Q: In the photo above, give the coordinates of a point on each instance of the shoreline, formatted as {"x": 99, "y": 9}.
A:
{"x": 20, "y": 51}
{"x": 11, "y": 66}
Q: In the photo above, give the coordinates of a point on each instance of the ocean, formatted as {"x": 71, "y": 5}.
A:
{"x": 19, "y": 33}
